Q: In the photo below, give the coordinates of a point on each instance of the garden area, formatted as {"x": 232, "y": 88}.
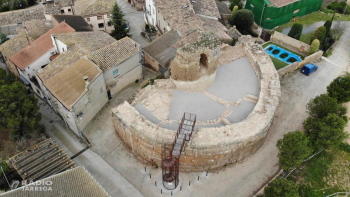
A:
{"x": 277, "y": 62}
{"x": 316, "y": 161}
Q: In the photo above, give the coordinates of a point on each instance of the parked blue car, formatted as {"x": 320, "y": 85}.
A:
{"x": 309, "y": 68}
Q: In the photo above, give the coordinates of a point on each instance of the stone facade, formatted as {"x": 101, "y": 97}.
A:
{"x": 290, "y": 43}
{"x": 194, "y": 64}
{"x": 208, "y": 148}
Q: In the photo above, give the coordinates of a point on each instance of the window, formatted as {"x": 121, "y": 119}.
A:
{"x": 62, "y": 11}
{"x": 109, "y": 23}
{"x": 69, "y": 10}
{"x": 116, "y": 73}
{"x": 87, "y": 19}
{"x": 101, "y": 25}
{"x": 99, "y": 17}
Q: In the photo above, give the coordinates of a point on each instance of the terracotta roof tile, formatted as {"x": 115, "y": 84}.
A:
{"x": 206, "y": 8}
{"x": 69, "y": 85}
{"x": 89, "y": 41}
{"x": 15, "y": 44}
{"x": 39, "y": 47}
{"x": 114, "y": 53}
{"x": 93, "y": 7}
{"x": 35, "y": 28}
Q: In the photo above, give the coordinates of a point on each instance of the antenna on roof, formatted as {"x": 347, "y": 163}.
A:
{"x": 25, "y": 29}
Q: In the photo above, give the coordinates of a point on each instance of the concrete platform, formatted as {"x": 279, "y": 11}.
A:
{"x": 233, "y": 82}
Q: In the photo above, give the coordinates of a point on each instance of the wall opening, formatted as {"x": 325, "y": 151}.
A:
{"x": 203, "y": 60}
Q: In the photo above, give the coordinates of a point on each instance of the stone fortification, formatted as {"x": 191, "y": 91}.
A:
{"x": 213, "y": 147}
{"x": 290, "y": 43}
{"x": 196, "y": 62}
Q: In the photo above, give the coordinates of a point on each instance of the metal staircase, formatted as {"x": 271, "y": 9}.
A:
{"x": 171, "y": 154}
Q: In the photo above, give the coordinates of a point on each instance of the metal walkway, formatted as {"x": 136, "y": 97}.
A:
{"x": 171, "y": 156}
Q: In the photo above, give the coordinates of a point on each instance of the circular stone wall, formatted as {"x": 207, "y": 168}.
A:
{"x": 213, "y": 147}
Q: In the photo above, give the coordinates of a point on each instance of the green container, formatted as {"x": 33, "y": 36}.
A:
{"x": 273, "y": 16}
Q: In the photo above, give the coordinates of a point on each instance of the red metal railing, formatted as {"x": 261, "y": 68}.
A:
{"x": 171, "y": 155}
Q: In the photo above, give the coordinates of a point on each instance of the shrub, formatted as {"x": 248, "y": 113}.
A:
{"x": 243, "y": 19}
{"x": 320, "y": 33}
{"x": 315, "y": 45}
{"x": 328, "y": 25}
{"x": 295, "y": 31}
{"x": 281, "y": 187}
{"x": 234, "y": 10}
{"x": 293, "y": 149}
{"x": 339, "y": 89}
{"x": 237, "y": 3}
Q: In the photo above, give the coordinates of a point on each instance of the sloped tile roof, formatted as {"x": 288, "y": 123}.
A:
{"x": 60, "y": 63}
{"x": 35, "y": 28}
{"x": 281, "y": 3}
{"x": 76, "y": 22}
{"x": 114, "y": 53}
{"x": 162, "y": 50}
{"x": 205, "y": 8}
{"x": 68, "y": 86}
{"x": 76, "y": 182}
{"x": 39, "y": 47}
{"x": 93, "y": 7}
{"x": 15, "y": 44}
{"x": 19, "y": 16}
{"x": 41, "y": 160}
{"x": 55, "y": 6}
{"x": 88, "y": 41}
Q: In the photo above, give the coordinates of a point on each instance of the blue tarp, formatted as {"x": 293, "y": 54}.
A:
{"x": 24, "y": 80}
{"x": 269, "y": 49}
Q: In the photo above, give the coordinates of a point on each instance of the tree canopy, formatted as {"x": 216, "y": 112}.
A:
{"x": 293, "y": 149}
{"x": 120, "y": 31}
{"x": 281, "y": 187}
{"x": 339, "y": 89}
{"x": 19, "y": 112}
{"x": 243, "y": 19}
{"x": 237, "y": 3}
{"x": 295, "y": 31}
{"x": 328, "y": 25}
{"x": 322, "y": 105}
{"x": 315, "y": 46}
{"x": 325, "y": 132}
{"x": 320, "y": 34}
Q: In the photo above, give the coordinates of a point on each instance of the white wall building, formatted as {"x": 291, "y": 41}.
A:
{"x": 150, "y": 13}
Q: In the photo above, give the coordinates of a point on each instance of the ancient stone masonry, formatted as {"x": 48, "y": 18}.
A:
{"x": 210, "y": 147}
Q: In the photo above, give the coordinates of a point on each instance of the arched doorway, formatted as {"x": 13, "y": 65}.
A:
{"x": 203, "y": 61}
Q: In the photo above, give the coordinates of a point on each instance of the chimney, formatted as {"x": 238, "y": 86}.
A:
{"x": 86, "y": 78}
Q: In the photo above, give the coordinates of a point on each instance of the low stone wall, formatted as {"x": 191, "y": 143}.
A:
{"x": 208, "y": 148}
{"x": 20, "y": 16}
{"x": 201, "y": 84}
{"x": 290, "y": 43}
{"x": 292, "y": 67}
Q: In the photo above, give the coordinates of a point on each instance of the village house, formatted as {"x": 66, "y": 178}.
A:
{"x": 159, "y": 54}
{"x": 90, "y": 68}
{"x": 96, "y": 13}
{"x": 185, "y": 19}
{"x": 36, "y": 55}
{"x": 62, "y": 7}
{"x": 120, "y": 63}
{"x": 78, "y": 23}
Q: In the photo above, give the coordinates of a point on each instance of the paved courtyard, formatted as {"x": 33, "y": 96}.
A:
{"x": 224, "y": 99}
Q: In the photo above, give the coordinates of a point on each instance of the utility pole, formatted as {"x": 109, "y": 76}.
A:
{"x": 262, "y": 13}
